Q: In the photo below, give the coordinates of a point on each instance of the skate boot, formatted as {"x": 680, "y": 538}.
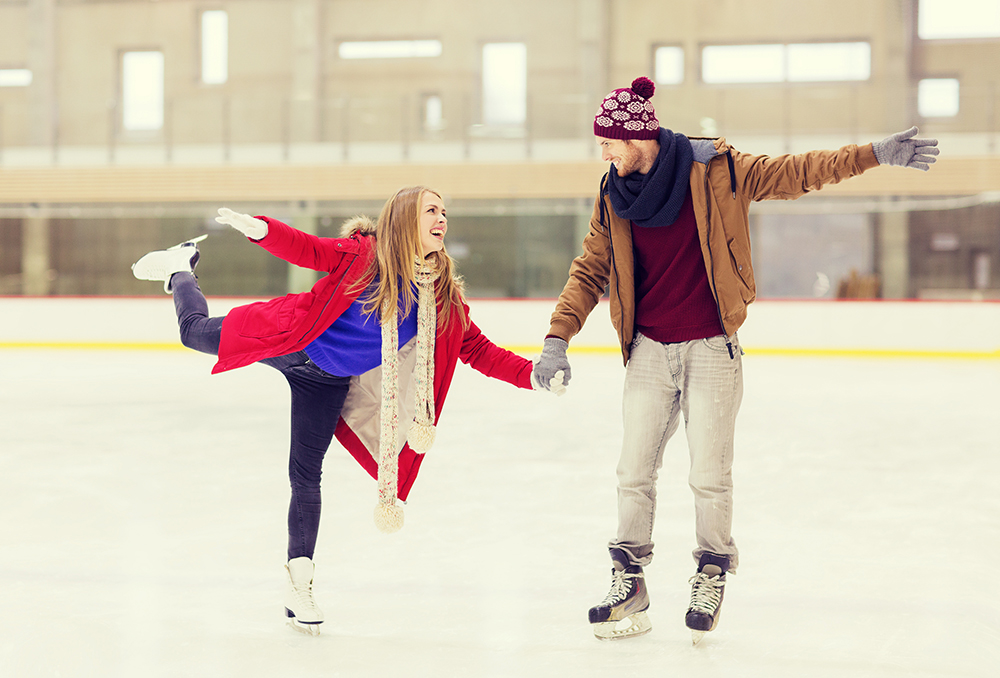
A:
{"x": 622, "y": 614}
{"x": 162, "y": 264}
{"x": 300, "y": 607}
{"x": 707, "y": 588}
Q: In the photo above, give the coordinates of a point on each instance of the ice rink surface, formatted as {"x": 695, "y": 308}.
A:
{"x": 143, "y": 527}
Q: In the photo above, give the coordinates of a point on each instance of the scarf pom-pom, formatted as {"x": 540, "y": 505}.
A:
{"x": 420, "y": 436}
{"x": 388, "y": 518}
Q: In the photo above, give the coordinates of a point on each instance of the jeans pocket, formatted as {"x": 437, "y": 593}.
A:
{"x": 719, "y": 343}
{"x": 636, "y": 340}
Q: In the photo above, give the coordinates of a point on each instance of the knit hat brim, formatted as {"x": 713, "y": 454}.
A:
{"x": 619, "y": 132}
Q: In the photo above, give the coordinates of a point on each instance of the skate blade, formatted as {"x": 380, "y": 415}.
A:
{"x": 307, "y": 629}
{"x": 696, "y": 635}
{"x": 637, "y": 624}
{"x": 188, "y": 243}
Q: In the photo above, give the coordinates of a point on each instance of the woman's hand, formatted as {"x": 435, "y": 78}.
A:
{"x": 251, "y": 227}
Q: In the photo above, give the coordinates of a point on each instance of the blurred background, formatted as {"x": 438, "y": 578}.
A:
{"x": 125, "y": 124}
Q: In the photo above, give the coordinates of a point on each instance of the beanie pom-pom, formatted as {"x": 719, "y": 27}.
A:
{"x": 420, "y": 436}
{"x": 388, "y": 518}
{"x": 644, "y": 87}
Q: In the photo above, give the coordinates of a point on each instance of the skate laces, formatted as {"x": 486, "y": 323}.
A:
{"x": 622, "y": 585}
{"x": 706, "y": 592}
{"x": 303, "y": 595}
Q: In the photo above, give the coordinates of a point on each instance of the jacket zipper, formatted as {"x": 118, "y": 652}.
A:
{"x": 614, "y": 266}
{"x": 329, "y": 299}
{"x": 708, "y": 223}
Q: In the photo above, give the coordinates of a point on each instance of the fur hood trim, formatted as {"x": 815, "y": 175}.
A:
{"x": 359, "y": 224}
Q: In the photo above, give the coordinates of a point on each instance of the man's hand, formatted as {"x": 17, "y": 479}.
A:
{"x": 902, "y": 150}
{"x": 251, "y": 227}
{"x": 552, "y": 371}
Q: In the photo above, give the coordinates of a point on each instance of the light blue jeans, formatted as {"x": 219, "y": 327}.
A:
{"x": 701, "y": 382}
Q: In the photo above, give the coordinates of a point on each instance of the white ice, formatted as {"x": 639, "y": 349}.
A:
{"x": 142, "y": 527}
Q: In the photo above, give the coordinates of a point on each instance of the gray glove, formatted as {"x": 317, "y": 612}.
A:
{"x": 902, "y": 150}
{"x": 551, "y": 371}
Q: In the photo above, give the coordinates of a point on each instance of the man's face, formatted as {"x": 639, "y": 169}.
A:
{"x": 622, "y": 153}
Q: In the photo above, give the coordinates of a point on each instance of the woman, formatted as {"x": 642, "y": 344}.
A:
{"x": 375, "y": 342}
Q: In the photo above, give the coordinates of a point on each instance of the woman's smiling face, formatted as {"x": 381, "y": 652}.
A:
{"x": 433, "y": 223}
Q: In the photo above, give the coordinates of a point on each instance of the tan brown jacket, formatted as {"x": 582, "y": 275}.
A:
{"x": 723, "y": 184}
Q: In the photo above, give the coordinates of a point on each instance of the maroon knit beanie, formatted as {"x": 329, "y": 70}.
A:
{"x": 627, "y": 113}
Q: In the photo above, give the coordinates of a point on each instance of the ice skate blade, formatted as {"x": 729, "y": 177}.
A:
{"x": 697, "y": 635}
{"x": 189, "y": 243}
{"x": 633, "y": 625}
{"x": 307, "y": 629}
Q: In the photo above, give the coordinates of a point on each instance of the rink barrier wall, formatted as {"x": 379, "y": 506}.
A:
{"x": 876, "y": 329}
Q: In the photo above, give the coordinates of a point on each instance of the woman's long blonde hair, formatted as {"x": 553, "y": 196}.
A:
{"x": 391, "y": 273}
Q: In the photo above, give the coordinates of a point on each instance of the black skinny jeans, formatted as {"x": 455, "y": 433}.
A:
{"x": 317, "y": 398}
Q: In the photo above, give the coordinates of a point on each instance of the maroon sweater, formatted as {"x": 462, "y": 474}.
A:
{"x": 673, "y": 301}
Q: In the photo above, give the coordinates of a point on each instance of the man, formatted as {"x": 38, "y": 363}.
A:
{"x": 670, "y": 237}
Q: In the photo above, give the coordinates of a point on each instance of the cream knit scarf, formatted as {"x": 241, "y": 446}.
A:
{"x": 388, "y": 515}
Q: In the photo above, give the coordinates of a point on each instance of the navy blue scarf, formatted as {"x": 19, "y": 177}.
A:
{"x": 655, "y": 198}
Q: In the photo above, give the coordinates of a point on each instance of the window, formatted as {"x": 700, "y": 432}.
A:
{"x": 980, "y": 270}
{"x": 15, "y": 77}
{"x": 505, "y": 83}
{"x": 668, "y": 65}
{"x": 944, "y": 19}
{"x": 937, "y": 97}
{"x": 807, "y": 62}
{"x": 742, "y": 63}
{"x": 433, "y": 113}
{"x": 390, "y": 49}
{"x": 831, "y": 61}
{"x": 214, "y": 47}
{"x": 142, "y": 90}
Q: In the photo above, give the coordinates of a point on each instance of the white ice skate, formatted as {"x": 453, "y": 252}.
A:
{"x": 300, "y": 607}
{"x": 162, "y": 264}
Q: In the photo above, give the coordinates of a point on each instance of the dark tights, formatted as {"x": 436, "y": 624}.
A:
{"x": 317, "y": 398}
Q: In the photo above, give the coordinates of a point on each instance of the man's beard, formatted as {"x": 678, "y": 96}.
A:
{"x": 628, "y": 163}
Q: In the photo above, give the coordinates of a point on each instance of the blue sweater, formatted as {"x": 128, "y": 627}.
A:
{"x": 353, "y": 343}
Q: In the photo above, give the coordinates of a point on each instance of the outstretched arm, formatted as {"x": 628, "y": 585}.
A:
{"x": 292, "y": 245}
{"x": 787, "y": 177}
{"x": 481, "y": 354}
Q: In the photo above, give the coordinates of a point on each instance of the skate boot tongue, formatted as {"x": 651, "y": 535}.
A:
{"x": 619, "y": 561}
{"x": 711, "y": 570}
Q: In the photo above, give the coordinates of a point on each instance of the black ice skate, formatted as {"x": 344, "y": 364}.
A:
{"x": 622, "y": 614}
{"x": 707, "y": 588}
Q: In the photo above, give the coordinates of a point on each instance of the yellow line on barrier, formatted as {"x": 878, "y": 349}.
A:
{"x": 535, "y": 349}
{"x": 815, "y": 352}
{"x": 875, "y": 353}
{"x": 94, "y": 345}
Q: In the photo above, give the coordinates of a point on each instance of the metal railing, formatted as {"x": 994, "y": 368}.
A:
{"x": 216, "y": 127}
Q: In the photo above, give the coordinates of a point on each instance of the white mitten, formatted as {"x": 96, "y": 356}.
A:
{"x": 251, "y": 227}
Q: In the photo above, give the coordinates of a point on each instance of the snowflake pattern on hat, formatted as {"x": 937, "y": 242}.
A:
{"x": 627, "y": 113}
